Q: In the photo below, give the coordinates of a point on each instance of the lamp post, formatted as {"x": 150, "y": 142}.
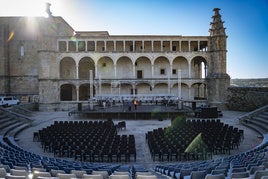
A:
{"x": 179, "y": 89}
{"x": 100, "y": 85}
{"x": 91, "y": 90}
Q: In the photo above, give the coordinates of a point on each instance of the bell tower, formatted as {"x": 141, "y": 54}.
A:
{"x": 217, "y": 79}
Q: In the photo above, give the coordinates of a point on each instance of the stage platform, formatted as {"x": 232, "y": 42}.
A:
{"x": 148, "y": 112}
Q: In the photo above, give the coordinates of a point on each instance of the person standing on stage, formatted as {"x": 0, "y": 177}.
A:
{"x": 135, "y": 103}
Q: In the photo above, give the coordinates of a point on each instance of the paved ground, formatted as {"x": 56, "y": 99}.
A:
{"x": 135, "y": 127}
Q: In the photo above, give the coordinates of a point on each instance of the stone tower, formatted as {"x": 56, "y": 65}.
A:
{"x": 217, "y": 79}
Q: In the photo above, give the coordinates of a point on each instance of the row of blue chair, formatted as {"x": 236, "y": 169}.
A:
{"x": 244, "y": 165}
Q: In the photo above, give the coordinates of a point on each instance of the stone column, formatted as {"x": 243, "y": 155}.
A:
{"x": 100, "y": 83}
{"x": 189, "y": 46}
{"x": 189, "y": 69}
{"x": 134, "y": 87}
{"x": 67, "y": 46}
{"x": 115, "y": 74}
{"x": 134, "y": 69}
{"x": 152, "y": 70}
{"x": 77, "y": 71}
{"x": 189, "y": 92}
{"x": 96, "y": 69}
{"x": 77, "y": 92}
{"x": 105, "y": 45}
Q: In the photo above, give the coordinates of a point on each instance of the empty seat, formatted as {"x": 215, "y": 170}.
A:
{"x": 183, "y": 172}
{"x": 143, "y": 173}
{"x": 78, "y": 173}
{"x": 103, "y": 173}
{"x": 264, "y": 177}
{"x": 121, "y": 176}
{"x": 3, "y": 172}
{"x": 253, "y": 169}
{"x": 196, "y": 175}
{"x": 238, "y": 170}
{"x": 21, "y": 168}
{"x": 260, "y": 173}
{"x": 16, "y": 172}
{"x": 220, "y": 176}
{"x": 65, "y": 176}
{"x": 54, "y": 173}
{"x": 39, "y": 169}
{"x": 146, "y": 177}
{"x": 37, "y": 174}
{"x": 240, "y": 175}
{"x": 265, "y": 164}
{"x": 98, "y": 176}
{"x": 219, "y": 171}
{"x": 120, "y": 173}
{"x": 6, "y": 167}
{"x": 15, "y": 177}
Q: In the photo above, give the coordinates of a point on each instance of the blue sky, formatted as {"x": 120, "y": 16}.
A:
{"x": 246, "y": 23}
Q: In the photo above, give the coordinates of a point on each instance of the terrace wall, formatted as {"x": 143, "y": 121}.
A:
{"x": 246, "y": 98}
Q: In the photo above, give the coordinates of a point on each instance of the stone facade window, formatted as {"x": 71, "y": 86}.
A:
{"x": 162, "y": 71}
{"x": 62, "y": 46}
{"x": 72, "y": 46}
{"x": 81, "y": 46}
{"x": 21, "y": 51}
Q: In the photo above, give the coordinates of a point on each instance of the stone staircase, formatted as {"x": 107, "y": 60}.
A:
{"x": 12, "y": 123}
{"x": 256, "y": 120}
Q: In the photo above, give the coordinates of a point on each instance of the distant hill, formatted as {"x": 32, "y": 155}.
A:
{"x": 262, "y": 82}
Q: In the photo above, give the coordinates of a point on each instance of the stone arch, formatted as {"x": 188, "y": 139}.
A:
{"x": 184, "y": 91}
{"x": 126, "y": 89}
{"x": 84, "y": 92}
{"x": 67, "y": 68}
{"x": 199, "y": 91}
{"x": 143, "y": 88}
{"x": 182, "y": 64}
{"x": 86, "y": 64}
{"x": 161, "y": 67}
{"x": 198, "y": 67}
{"x": 105, "y": 67}
{"x": 160, "y": 88}
{"x": 124, "y": 68}
{"x": 143, "y": 67}
{"x": 105, "y": 89}
{"x": 68, "y": 92}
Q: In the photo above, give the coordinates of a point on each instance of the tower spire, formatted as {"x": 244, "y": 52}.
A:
{"x": 49, "y": 13}
{"x": 217, "y": 27}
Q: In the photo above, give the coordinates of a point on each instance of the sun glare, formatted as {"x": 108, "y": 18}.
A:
{"x": 24, "y": 8}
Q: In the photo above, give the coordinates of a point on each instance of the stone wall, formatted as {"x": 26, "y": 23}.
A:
{"x": 246, "y": 98}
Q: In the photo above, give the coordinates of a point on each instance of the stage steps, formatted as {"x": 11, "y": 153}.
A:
{"x": 257, "y": 120}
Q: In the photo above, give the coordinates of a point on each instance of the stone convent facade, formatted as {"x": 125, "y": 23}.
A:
{"x": 46, "y": 60}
